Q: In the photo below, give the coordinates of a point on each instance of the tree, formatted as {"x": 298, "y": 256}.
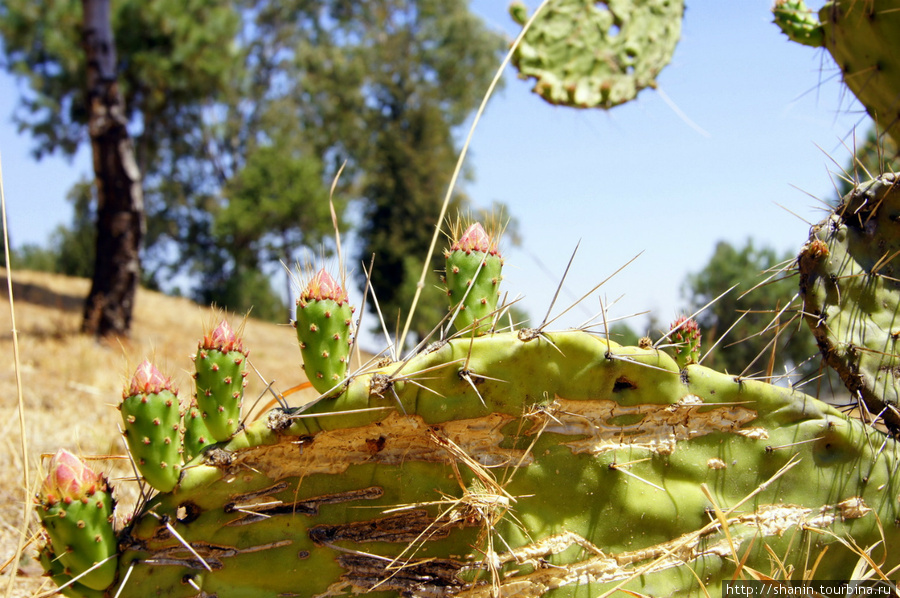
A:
{"x": 428, "y": 64}
{"x": 378, "y": 86}
{"x": 757, "y": 304}
{"x": 175, "y": 66}
{"x": 120, "y": 198}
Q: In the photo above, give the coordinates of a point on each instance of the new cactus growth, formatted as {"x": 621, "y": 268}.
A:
{"x": 324, "y": 327}
{"x": 196, "y": 434}
{"x": 591, "y": 54}
{"x": 473, "y": 267}
{"x": 849, "y": 272}
{"x": 686, "y": 338}
{"x": 152, "y": 418}
{"x": 75, "y": 506}
{"x": 221, "y": 370}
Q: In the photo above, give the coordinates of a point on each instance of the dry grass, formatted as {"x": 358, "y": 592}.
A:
{"x": 72, "y": 382}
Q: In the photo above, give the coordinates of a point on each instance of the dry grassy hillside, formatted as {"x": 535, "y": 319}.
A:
{"x": 71, "y": 383}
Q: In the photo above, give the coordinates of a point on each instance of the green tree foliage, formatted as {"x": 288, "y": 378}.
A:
{"x": 229, "y": 97}
{"x": 757, "y": 304}
{"x": 427, "y": 65}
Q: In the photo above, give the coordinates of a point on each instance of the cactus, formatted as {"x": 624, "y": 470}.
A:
{"x": 473, "y": 278}
{"x": 849, "y": 271}
{"x": 196, "y": 434}
{"x": 861, "y": 37}
{"x": 685, "y": 333}
{"x": 150, "y": 412}
{"x": 221, "y": 369}
{"x": 459, "y": 493}
{"x": 324, "y": 328}
{"x": 591, "y": 54}
{"x": 75, "y": 506}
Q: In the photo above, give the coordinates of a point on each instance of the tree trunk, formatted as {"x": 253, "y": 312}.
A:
{"x": 120, "y": 210}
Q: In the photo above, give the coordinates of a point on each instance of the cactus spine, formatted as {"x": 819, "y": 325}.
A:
{"x": 75, "y": 506}
{"x": 473, "y": 279}
{"x": 324, "y": 328}
{"x": 150, "y": 412}
{"x": 221, "y": 371}
{"x": 849, "y": 272}
{"x": 861, "y": 37}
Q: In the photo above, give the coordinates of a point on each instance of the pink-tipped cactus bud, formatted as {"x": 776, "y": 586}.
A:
{"x": 322, "y": 286}
{"x": 223, "y": 338}
{"x": 686, "y": 336}
{"x": 69, "y": 479}
{"x": 475, "y": 239}
{"x": 148, "y": 380}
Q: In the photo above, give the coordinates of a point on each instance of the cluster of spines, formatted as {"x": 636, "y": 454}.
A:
{"x": 75, "y": 506}
{"x": 324, "y": 330}
{"x": 473, "y": 275}
{"x": 220, "y": 373}
{"x": 151, "y": 414}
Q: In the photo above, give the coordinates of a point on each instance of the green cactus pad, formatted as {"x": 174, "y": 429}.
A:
{"x": 152, "y": 422}
{"x": 589, "y": 54}
{"x": 57, "y": 572}
{"x": 75, "y": 507}
{"x": 798, "y": 22}
{"x": 196, "y": 434}
{"x": 850, "y": 284}
{"x": 473, "y": 279}
{"x": 220, "y": 390}
{"x": 568, "y": 468}
{"x": 324, "y": 326}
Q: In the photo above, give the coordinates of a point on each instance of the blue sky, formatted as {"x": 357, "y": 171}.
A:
{"x": 763, "y": 119}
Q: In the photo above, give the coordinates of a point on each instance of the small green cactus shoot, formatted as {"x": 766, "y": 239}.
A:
{"x": 76, "y": 508}
{"x": 473, "y": 279}
{"x": 221, "y": 371}
{"x": 150, "y": 412}
{"x": 324, "y": 328}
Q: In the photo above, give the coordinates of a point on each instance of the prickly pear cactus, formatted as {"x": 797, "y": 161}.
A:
{"x": 862, "y": 38}
{"x": 151, "y": 417}
{"x": 324, "y": 329}
{"x": 590, "y": 54}
{"x": 220, "y": 371}
{"x": 75, "y": 506}
{"x": 546, "y": 464}
{"x": 850, "y": 285}
{"x": 473, "y": 279}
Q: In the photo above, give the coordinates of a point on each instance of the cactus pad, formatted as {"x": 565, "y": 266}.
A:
{"x": 862, "y": 38}
{"x": 324, "y": 328}
{"x": 473, "y": 279}
{"x": 570, "y": 467}
{"x": 221, "y": 369}
{"x": 152, "y": 420}
{"x": 76, "y": 509}
{"x": 588, "y": 54}
{"x": 850, "y": 284}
